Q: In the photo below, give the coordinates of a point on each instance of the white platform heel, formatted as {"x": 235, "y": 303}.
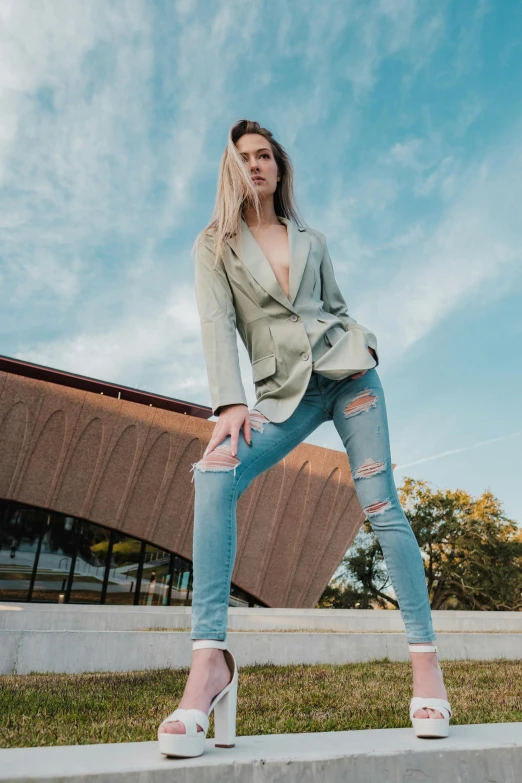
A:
{"x": 429, "y": 727}
{"x": 224, "y": 704}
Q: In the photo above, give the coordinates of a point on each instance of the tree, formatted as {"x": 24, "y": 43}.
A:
{"x": 340, "y": 594}
{"x": 472, "y": 552}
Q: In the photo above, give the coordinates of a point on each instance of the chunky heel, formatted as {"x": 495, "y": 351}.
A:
{"x": 224, "y": 704}
{"x": 225, "y": 718}
{"x": 429, "y": 727}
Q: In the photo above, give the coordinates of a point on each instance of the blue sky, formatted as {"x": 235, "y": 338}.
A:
{"x": 404, "y": 123}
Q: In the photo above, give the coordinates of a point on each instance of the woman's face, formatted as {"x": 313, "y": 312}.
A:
{"x": 260, "y": 162}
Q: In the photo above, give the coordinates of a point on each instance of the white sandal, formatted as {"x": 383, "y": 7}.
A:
{"x": 429, "y": 727}
{"x": 192, "y": 743}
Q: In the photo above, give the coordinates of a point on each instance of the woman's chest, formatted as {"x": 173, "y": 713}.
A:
{"x": 275, "y": 248}
{"x": 253, "y": 285}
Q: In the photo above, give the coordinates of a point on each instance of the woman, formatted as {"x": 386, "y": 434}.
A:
{"x": 259, "y": 272}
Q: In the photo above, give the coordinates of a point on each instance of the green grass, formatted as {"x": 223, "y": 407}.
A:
{"x": 60, "y": 709}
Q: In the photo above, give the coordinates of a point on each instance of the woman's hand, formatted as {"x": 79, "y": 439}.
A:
{"x": 360, "y": 374}
{"x": 231, "y": 419}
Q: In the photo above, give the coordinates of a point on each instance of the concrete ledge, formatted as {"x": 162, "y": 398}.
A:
{"x": 70, "y": 652}
{"x": 82, "y": 617}
{"x": 479, "y": 753}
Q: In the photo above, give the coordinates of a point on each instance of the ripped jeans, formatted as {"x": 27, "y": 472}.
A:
{"x": 358, "y": 411}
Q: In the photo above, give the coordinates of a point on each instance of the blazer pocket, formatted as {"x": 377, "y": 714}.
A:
{"x": 264, "y": 367}
{"x": 327, "y": 318}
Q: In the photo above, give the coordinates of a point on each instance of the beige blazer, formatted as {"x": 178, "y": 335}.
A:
{"x": 286, "y": 337}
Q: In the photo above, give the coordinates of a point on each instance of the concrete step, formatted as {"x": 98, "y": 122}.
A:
{"x": 22, "y": 652}
{"x": 62, "y": 617}
{"x": 479, "y": 753}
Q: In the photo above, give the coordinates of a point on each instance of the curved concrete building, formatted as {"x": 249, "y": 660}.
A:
{"x": 75, "y": 448}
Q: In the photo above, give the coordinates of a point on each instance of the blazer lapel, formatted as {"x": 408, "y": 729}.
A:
{"x": 299, "y": 243}
{"x": 259, "y": 267}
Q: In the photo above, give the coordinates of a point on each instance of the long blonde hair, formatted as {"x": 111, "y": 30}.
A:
{"x": 235, "y": 187}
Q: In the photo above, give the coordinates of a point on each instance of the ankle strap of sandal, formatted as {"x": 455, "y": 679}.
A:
{"x": 422, "y": 647}
{"x": 199, "y": 643}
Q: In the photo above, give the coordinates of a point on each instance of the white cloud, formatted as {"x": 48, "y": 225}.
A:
{"x": 409, "y": 281}
{"x": 65, "y": 137}
{"x": 83, "y": 152}
{"x": 462, "y": 449}
{"x": 477, "y": 243}
{"x": 168, "y": 336}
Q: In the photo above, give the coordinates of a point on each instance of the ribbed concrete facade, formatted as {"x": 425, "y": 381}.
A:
{"x": 127, "y": 466}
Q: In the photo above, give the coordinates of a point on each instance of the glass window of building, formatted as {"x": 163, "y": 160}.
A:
{"x": 155, "y": 577}
{"x": 181, "y": 590}
{"x": 124, "y": 569}
{"x": 56, "y": 559}
{"x": 20, "y": 529}
{"x": 92, "y": 548}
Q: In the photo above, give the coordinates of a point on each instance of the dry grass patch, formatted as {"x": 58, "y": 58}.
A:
{"x": 93, "y": 708}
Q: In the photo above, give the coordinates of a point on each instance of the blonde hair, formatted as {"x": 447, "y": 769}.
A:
{"x": 235, "y": 187}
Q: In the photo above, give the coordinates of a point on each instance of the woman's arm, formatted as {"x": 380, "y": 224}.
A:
{"x": 334, "y": 301}
{"x": 218, "y": 330}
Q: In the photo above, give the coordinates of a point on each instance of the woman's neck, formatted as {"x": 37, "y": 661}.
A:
{"x": 268, "y": 215}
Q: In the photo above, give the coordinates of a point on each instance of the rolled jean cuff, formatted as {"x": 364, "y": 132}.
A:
{"x": 422, "y": 641}
{"x": 202, "y": 635}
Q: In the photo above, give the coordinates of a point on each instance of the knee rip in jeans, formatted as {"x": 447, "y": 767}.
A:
{"x": 369, "y": 468}
{"x": 363, "y": 401}
{"x": 220, "y": 458}
{"x": 377, "y": 507}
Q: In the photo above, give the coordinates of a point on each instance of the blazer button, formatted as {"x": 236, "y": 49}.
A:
{"x": 304, "y": 356}
{"x": 293, "y": 317}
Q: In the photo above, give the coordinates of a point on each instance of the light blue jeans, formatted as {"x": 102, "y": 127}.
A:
{"x": 358, "y": 411}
